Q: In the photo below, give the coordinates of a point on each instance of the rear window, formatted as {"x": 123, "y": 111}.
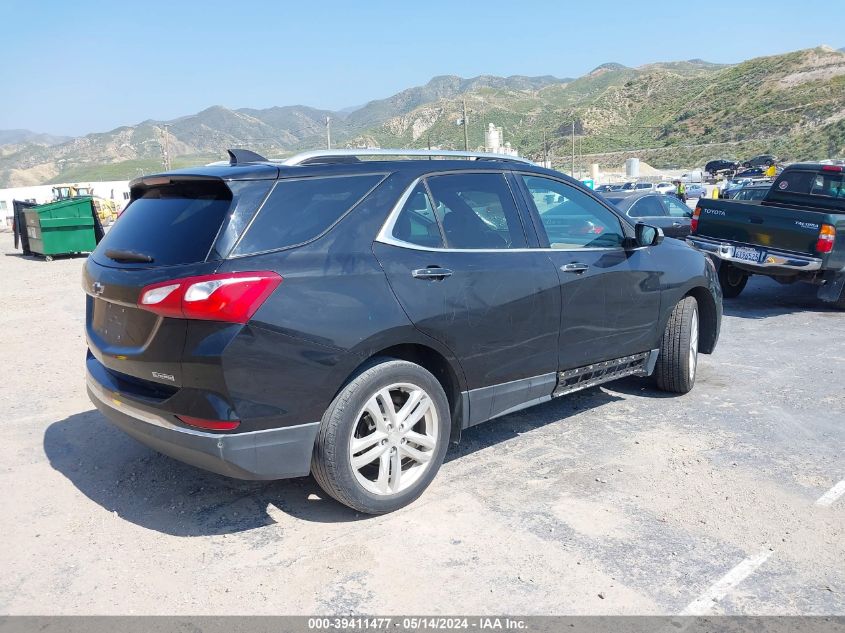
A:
{"x": 795, "y": 182}
{"x": 826, "y": 188}
{"x": 173, "y": 224}
{"x": 300, "y": 210}
{"x": 831, "y": 185}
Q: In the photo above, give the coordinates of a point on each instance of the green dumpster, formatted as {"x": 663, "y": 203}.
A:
{"x": 61, "y": 228}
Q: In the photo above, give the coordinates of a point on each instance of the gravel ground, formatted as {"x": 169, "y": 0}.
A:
{"x": 615, "y": 500}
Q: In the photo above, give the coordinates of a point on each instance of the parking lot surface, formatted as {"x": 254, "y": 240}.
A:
{"x": 616, "y": 500}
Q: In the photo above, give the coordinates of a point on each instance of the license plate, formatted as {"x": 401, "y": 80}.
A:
{"x": 747, "y": 254}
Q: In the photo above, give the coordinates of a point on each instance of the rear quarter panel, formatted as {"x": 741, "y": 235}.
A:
{"x": 332, "y": 311}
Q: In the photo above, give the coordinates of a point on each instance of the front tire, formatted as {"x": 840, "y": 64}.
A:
{"x": 732, "y": 280}
{"x": 677, "y": 362}
{"x": 383, "y": 438}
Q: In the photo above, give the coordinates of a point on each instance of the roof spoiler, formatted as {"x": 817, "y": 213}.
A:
{"x": 238, "y": 156}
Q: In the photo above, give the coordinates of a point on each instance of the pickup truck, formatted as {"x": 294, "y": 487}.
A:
{"x": 791, "y": 235}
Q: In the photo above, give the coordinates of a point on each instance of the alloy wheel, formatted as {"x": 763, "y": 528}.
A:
{"x": 393, "y": 439}
{"x": 693, "y": 345}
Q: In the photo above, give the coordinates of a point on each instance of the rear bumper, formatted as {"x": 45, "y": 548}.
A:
{"x": 268, "y": 454}
{"x": 773, "y": 259}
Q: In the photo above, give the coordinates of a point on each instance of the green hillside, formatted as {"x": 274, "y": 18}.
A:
{"x": 670, "y": 114}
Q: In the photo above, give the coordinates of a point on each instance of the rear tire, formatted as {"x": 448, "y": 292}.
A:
{"x": 678, "y": 359}
{"x": 373, "y": 453}
{"x": 732, "y": 280}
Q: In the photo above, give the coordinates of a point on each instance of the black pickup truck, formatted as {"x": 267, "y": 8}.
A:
{"x": 791, "y": 235}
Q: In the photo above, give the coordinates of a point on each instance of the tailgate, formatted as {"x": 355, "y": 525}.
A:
{"x": 773, "y": 227}
{"x": 167, "y": 232}
{"x": 129, "y": 340}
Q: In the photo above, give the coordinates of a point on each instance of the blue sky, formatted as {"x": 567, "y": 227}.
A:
{"x": 79, "y": 66}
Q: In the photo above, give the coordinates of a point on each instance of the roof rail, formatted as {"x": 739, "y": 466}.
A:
{"x": 322, "y": 156}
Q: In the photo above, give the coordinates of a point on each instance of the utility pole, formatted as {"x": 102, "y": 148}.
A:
{"x": 165, "y": 148}
{"x": 582, "y": 166}
{"x": 328, "y": 132}
{"x": 573, "y": 148}
{"x": 545, "y": 151}
{"x": 466, "y": 135}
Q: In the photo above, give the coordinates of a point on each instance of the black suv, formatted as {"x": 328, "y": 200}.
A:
{"x": 349, "y": 318}
{"x": 721, "y": 165}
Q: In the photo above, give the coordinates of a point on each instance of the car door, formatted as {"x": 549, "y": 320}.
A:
{"x": 456, "y": 256}
{"x": 650, "y": 209}
{"x": 680, "y": 216}
{"x": 610, "y": 295}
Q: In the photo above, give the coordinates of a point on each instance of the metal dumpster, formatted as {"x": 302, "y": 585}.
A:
{"x": 61, "y": 228}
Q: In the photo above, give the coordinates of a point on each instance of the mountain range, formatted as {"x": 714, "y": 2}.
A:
{"x": 670, "y": 114}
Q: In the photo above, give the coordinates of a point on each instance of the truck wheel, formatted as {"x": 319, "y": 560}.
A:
{"x": 678, "y": 358}
{"x": 383, "y": 438}
{"x": 732, "y": 280}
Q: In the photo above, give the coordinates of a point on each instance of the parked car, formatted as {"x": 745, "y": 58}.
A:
{"x": 696, "y": 190}
{"x": 751, "y": 192}
{"x": 644, "y": 186}
{"x": 721, "y": 165}
{"x": 790, "y": 235}
{"x": 753, "y": 172}
{"x": 763, "y": 160}
{"x": 665, "y": 187}
{"x": 350, "y": 318}
{"x": 603, "y": 188}
{"x": 734, "y": 185}
{"x": 664, "y": 211}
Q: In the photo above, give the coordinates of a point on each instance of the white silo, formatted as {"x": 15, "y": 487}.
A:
{"x": 632, "y": 168}
{"x": 493, "y": 138}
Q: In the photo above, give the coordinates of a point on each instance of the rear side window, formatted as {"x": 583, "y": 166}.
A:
{"x": 477, "y": 211}
{"x": 647, "y": 207}
{"x": 173, "y": 224}
{"x": 299, "y": 210}
{"x": 416, "y": 223}
{"x": 676, "y": 208}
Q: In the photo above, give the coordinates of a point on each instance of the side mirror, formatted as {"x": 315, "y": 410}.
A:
{"x": 647, "y": 235}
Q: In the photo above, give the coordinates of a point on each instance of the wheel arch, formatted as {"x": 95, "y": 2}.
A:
{"x": 708, "y": 318}
{"x": 447, "y": 372}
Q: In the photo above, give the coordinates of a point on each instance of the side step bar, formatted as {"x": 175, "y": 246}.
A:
{"x": 570, "y": 380}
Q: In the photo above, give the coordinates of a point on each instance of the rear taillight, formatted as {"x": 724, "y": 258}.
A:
{"x": 210, "y": 425}
{"x": 827, "y": 235}
{"x": 229, "y": 297}
{"x": 693, "y": 225}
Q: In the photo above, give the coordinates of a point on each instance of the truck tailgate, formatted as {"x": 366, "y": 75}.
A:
{"x": 773, "y": 227}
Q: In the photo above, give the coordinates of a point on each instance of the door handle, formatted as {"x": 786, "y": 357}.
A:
{"x": 575, "y": 267}
{"x": 432, "y": 272}
{"x": 676, "y": 224}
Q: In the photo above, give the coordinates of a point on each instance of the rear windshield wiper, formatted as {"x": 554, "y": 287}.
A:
{"x": 119, "y": 255}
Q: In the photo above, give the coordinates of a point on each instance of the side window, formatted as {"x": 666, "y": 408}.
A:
{"x": 416, "y": 223}
{"x": 647, "y": 207}
{"x": 477, "y": 211}
{"x": 571, "y": 218}
{"x": 297, "y": 211}
{"x": 832, "y": 185}
{"x": 676, "y": 208}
